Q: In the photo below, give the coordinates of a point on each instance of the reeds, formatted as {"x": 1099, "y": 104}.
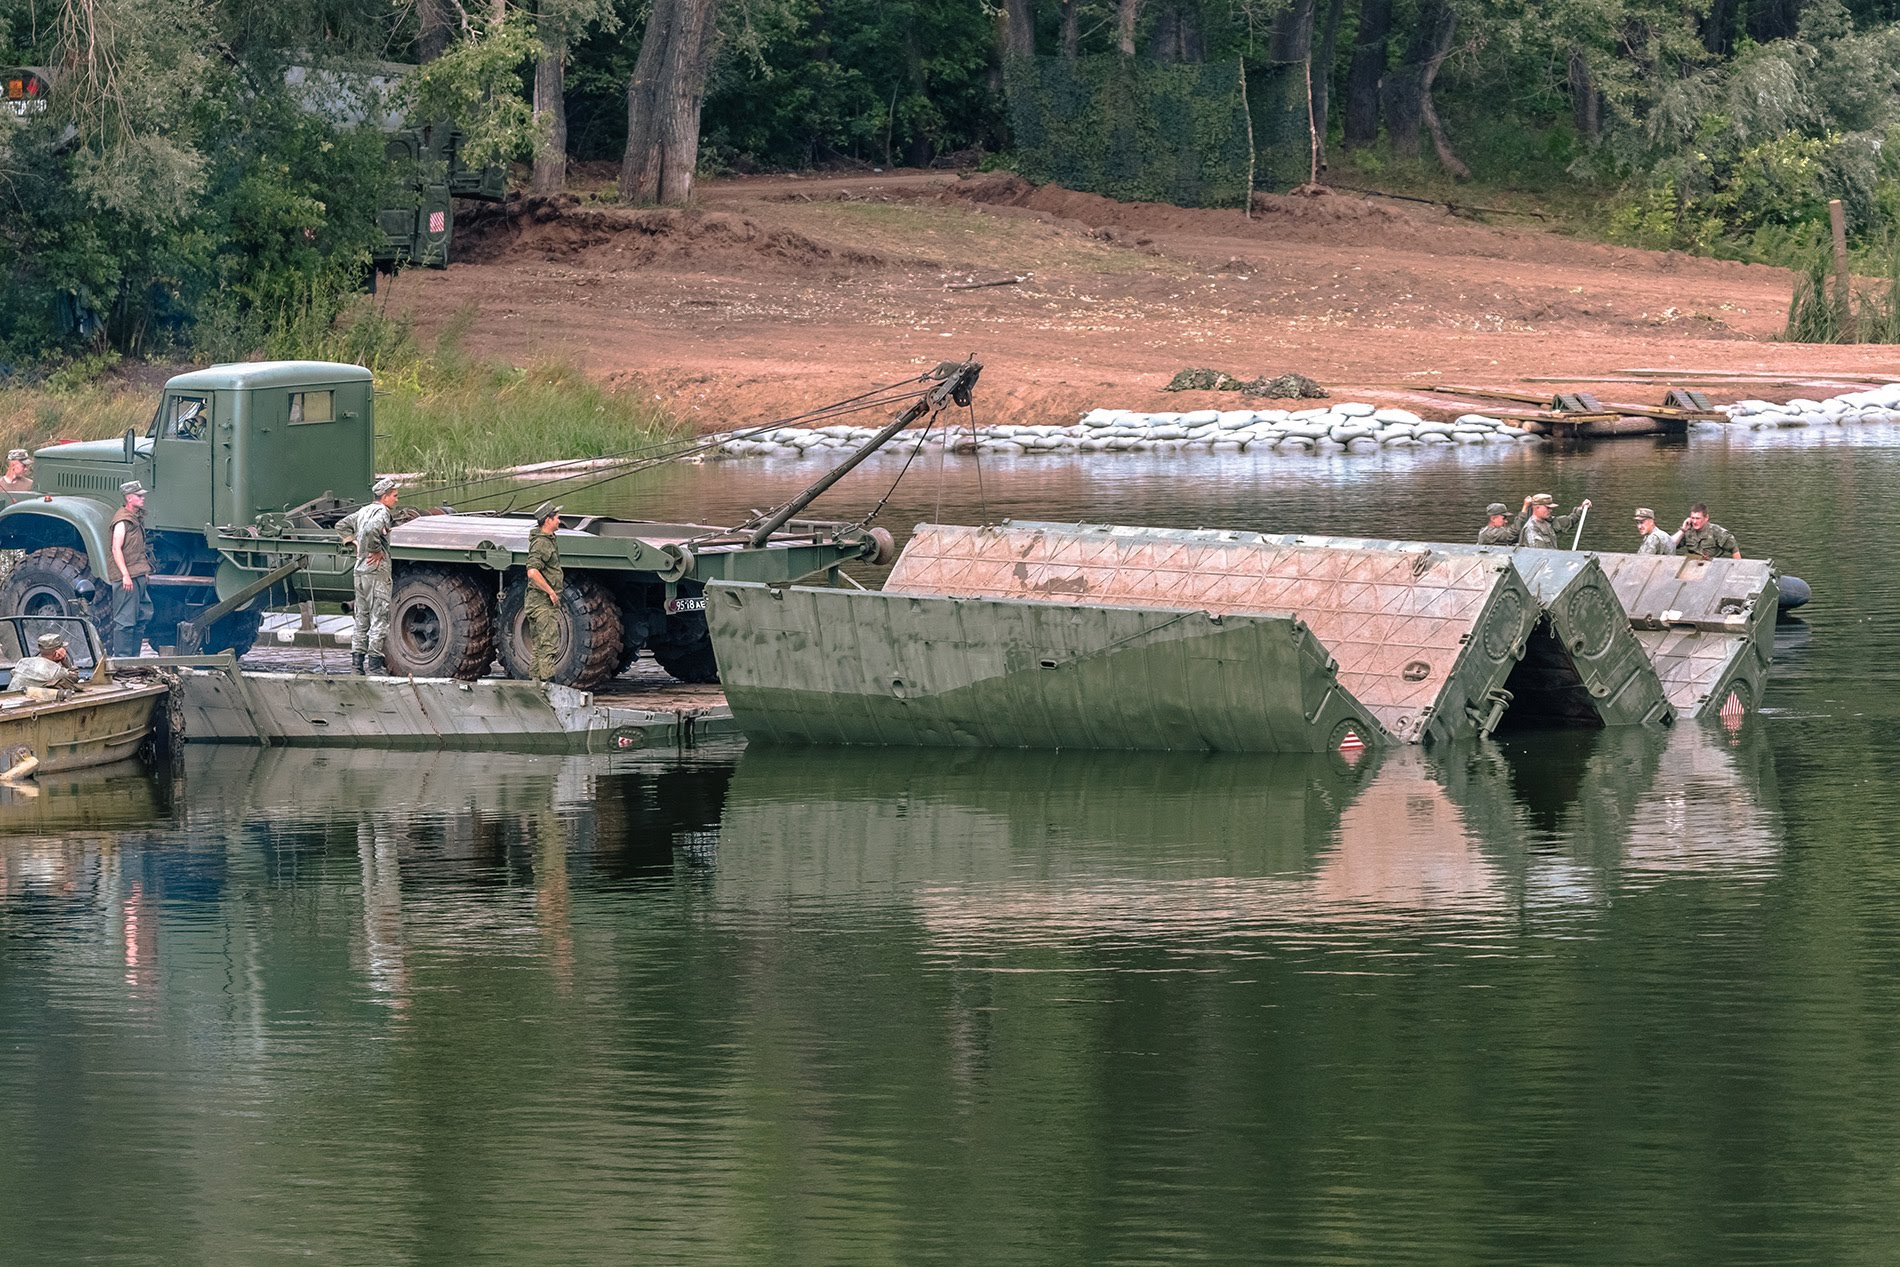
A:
{"x": 1817, "y": 314}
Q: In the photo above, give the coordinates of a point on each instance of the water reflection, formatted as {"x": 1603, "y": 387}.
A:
{"x": 1055, "y": 849}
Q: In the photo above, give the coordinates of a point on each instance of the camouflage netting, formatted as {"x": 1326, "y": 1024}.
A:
{"x": 1144, "y": 131}
{"x": 1282, "y": 132}
{"x": 1134, "y": 130}
{"x": 1284, "y": 387}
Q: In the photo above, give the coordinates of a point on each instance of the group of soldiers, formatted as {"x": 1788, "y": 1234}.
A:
{"x": 368, "y": 528}
{"x": 1537, "y": 525}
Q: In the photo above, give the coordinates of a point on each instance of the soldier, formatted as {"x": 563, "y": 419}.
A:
{"x": 51, "y": 670}
{"x": 543, "y": 602}
{"x": 1702, "y": 539}
{"x": 1503, "y": 528}
{"x": 130, "y": 564}
{"x": 1541, "y": 530}
{"x": 1655, "y": 540}
{"x": 368, "y": 526}
{"x": 19, "y": 476}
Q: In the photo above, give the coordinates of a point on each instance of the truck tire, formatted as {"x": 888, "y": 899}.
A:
{"x": 235, "y": 632}
{"x": 590, "y": 636}
{"x": 45, "y": 583}
{"x": 686, "y": 650}
{"x": 441, "y": 624}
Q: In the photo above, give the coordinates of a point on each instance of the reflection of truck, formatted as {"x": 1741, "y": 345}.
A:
{"x": 248, "y": 468}
{"x": 424, "y": 175}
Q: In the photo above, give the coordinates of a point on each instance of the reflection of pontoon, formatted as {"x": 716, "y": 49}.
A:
{"x": 1045, "y": 848}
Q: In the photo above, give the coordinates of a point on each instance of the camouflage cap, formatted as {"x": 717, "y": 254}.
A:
{"x": 1543, "y": 499}
{"x": 132, "y": 488}
{"x": 51, "y": 641}
{"x": 545, "y": 509}
{"x": 19, "y": 455}
{"x": 1644, "y": 512}
{"x": 1497, "y": 508}
{"x": 383, "y": 487}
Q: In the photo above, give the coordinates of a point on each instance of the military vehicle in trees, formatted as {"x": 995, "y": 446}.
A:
{"x": 248, "y": 468}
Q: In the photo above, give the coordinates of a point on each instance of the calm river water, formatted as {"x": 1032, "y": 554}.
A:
{"x": 1604, "y": 998}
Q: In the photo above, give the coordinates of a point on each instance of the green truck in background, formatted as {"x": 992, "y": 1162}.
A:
{"x": 426, "y": 172}
{"x": 249, "y": 467}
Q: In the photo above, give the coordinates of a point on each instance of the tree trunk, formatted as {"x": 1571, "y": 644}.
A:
{"x": 664, "y": 96}
{"x": 1773, "y": 20}
{"x": 1586, "y": 103}
{"x": 1292, "y": 36}
{"x": 435, "y": 21}
{"x": 1177, "y": 35}
{"x": 1364, "y": 74}
{"x": 1126, "y": 11}
{"x": 1019, "y": 28}
{"x": 1408, "y": 88}
{"x": 550, "y": 114}
{"x": 1718, "y": 27}
{"x": 1323, "y": 73}
{"x": 1071, "y": 28}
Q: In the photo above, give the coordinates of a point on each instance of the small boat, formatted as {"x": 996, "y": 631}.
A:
{"x": 104, "y": 721}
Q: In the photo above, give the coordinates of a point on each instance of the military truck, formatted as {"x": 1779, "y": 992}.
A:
{"x": 424, "y": 169}
{"x": 248, "y": 468}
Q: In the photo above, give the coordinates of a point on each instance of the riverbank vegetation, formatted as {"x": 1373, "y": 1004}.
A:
{"x": 182, "y": 186}
{"x": 439, "y": 411}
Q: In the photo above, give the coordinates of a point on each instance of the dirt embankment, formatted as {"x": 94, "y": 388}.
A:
{"x": 776, "y": 294}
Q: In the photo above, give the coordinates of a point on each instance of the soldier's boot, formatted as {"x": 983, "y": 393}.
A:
{"x": 125, "y": 642}
{"x": 376, "y": 666}
{"x": 356, "y": 663}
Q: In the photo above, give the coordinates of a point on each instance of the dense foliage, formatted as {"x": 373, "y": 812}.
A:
{"x": 178, "y": 195}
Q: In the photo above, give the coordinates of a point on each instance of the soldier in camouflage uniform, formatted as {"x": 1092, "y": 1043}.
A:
{"x": 1704, "y": 540}
{"x": 1542, "y": 530}
{"x": 1655, "y": 540}
{"x": 1504, "y": 527}
{"x": 543, "y": 603}
{"x": 369, "y": 527}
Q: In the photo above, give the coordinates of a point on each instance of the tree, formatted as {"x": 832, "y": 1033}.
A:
{"x": 1019, "y": 28}
{"x": 1365, "y": 74}
{"x": 1408, "y": 89}
{"x": 557, "y": 24}
{"x": 1071, "y": 27}
{"x": 664, "y": 97}
{"x": 1126, "y": 13}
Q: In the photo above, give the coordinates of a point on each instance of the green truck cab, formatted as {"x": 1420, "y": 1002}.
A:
{"x": 249, "y": 467}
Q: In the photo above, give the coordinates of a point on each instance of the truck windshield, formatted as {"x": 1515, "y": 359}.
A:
{"x": 182, "y": 418}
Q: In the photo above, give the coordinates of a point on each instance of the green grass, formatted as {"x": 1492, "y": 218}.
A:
{"x": 439, "y": 412}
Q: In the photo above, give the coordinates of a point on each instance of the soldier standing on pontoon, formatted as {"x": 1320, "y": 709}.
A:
{"x": 1542, "y": 530}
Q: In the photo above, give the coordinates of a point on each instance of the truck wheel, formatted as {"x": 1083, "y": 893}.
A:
{"x": 589, "y": 636}
{"x": 441, "y": 624}
{"x": 637, "y": 618}
{"x": 686, "y": 650}
{"x": 45, "y": 583}
{"x": 235, "y": 632}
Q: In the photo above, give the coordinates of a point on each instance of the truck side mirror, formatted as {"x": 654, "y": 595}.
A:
{"x": 131, "y": 445}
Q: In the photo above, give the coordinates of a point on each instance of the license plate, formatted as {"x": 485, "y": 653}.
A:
{"x": 674, "y": 606}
